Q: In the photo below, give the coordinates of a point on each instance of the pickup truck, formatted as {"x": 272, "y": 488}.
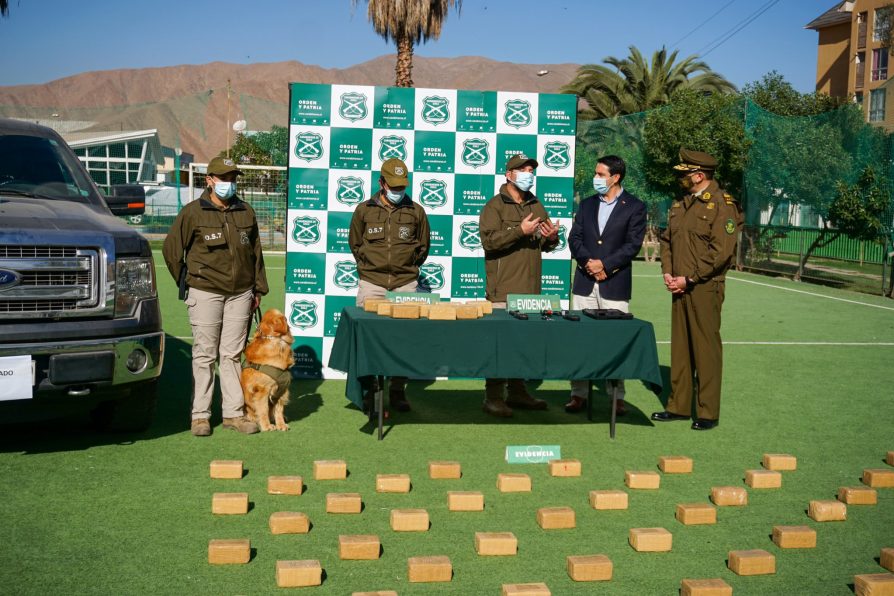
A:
{"x": 80, "y": 323}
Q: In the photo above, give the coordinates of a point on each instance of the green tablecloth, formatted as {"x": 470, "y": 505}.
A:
{"x": 495, "y": 346}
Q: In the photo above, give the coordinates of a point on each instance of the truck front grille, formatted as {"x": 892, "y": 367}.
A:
{"x": 36, "y": 252}
{"x": 26, "y": 306}
{"x": 53, "y": 280}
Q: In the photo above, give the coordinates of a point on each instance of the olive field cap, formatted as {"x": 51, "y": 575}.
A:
{"x": 394, "y": 171}
{"x": 222, "y": 165}
{"x": 520, "y": 160}
{"x": 693, "y": 161}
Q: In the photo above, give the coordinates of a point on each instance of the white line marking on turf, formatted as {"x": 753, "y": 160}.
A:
{"x": 802, "y": 343}
{"x": 759, "y": 283}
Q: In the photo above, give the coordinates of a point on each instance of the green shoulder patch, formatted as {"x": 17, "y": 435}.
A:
{"x": 730, "y": 226}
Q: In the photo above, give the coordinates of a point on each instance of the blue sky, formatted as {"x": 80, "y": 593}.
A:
{"x": 43, "y": 40}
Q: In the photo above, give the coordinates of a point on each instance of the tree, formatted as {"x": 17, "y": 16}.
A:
{"x": 857, "y": 211}
{"x": 629, "y": 85}
{"x": 261, "y": 148}
{"x": 885, "y": 16}
{"x": 710, "y": 123}
{"x": 407, "y": 22}
{"x": 4, "y": 8}
{"x": 804, "y": 145}
{"x": 774, "y": 94}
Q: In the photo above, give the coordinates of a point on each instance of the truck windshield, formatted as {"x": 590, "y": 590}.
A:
{"x": 39, "y": 167}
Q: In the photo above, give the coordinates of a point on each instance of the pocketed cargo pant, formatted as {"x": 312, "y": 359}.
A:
{"x": 696, "y": 349}
{"x": 219, "y": 328}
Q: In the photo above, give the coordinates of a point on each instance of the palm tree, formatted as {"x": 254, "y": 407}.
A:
{"x": 4, "y": 8}
{"x": 634, "y": 85}
{"x": 407, "y": 22}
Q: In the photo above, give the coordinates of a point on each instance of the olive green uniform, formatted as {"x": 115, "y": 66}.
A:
{"x": 699, "y": 243}
{"x": 389, "y": 245}
{"x": 512, "y": 261}
{"x": 222, "y": 247}
{"x": 513, "y": 264}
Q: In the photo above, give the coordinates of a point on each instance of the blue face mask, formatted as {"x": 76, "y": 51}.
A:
{"x": 600, "y": 185}
{"x": 225, "y": 190}
{"x": 394, "y": 197}
{"x": 524, "y": 180}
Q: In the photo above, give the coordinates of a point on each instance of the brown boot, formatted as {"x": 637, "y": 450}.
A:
{"x": 200, "y": 427}
{"x": 521, "y": 399}
{"x": 242, "y": 424}
{"x": 493, "y": 399}
{"x": 397, "y": 394}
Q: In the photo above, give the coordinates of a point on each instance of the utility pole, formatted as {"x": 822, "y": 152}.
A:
{"x": 228, "y": 118}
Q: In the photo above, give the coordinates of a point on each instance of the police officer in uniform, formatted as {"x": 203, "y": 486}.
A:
{"x": 515, "y": 230}
{"x": 215, "y": 243}
{"x": 697, "y": 248}
{"x": 389, "y": 238}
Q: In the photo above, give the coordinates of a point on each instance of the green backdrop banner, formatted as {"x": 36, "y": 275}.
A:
{"x": 456, "y": 144}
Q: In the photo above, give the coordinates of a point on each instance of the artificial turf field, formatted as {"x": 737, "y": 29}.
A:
{"x": 808, "y": 371}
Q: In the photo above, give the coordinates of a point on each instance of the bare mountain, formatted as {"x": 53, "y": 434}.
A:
{"x": 188, "y": 103}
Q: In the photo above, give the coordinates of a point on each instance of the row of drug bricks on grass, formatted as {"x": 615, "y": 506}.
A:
{"x": 596, "y": 567}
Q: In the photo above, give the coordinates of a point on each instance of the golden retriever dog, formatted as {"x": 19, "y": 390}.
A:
{"x": 266, "y": 373}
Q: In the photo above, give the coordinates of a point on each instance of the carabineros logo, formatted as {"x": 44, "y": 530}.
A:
{"x": 304, "y": 314}
{"x": 350, "y": 190}
{"x": 469, "y": 236}
{"x": 558, "y": 155}
{"x": 431, "y": 275}
{"x": 518, "y": 113}
{"x": 435, "y": 109}
{"x": 306, "y": 230}
{"x": 393, "y": 146}
{"x": 353, "y": 106}
{"x": 433, "y": 193}
{"x": 345, "y": 276}
{"x": 308, "y": 146}
{"x": 475, "y": 152}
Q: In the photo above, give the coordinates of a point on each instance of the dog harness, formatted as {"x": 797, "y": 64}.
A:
{"x": 282, "y": 377}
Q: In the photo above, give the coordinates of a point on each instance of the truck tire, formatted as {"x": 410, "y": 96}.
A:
{"x": 129, "y": 414}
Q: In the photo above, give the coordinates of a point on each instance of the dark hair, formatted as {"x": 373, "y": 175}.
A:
{"x": 614, "y": 164}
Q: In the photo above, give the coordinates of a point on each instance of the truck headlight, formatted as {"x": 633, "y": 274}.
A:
{"x": 134, "y": 281}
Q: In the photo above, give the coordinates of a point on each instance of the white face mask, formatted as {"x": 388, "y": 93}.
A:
{"x": 601, "y": 185}
{"x": 394, "y": 197}
{"x": 524, "y": 180}
{"x": 225, "y": 190}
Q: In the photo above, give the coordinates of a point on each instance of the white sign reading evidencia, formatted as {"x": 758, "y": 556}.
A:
{"x": 16, "y": 378}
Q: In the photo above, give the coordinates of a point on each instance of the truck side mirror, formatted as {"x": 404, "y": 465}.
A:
{"x": 126, "y": 199}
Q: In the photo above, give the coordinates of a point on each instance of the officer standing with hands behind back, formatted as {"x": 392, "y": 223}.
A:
{"x": 389, "y": 238}
{"x": 697, "y": 248}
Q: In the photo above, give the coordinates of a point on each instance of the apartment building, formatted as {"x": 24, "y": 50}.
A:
{"x": 852, "y": 57}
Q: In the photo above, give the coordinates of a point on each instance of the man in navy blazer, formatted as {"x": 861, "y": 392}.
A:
{"x": 606, "y": 235}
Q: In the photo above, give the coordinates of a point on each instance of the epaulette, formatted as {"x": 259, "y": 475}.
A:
{"x": 728, "y": 198}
